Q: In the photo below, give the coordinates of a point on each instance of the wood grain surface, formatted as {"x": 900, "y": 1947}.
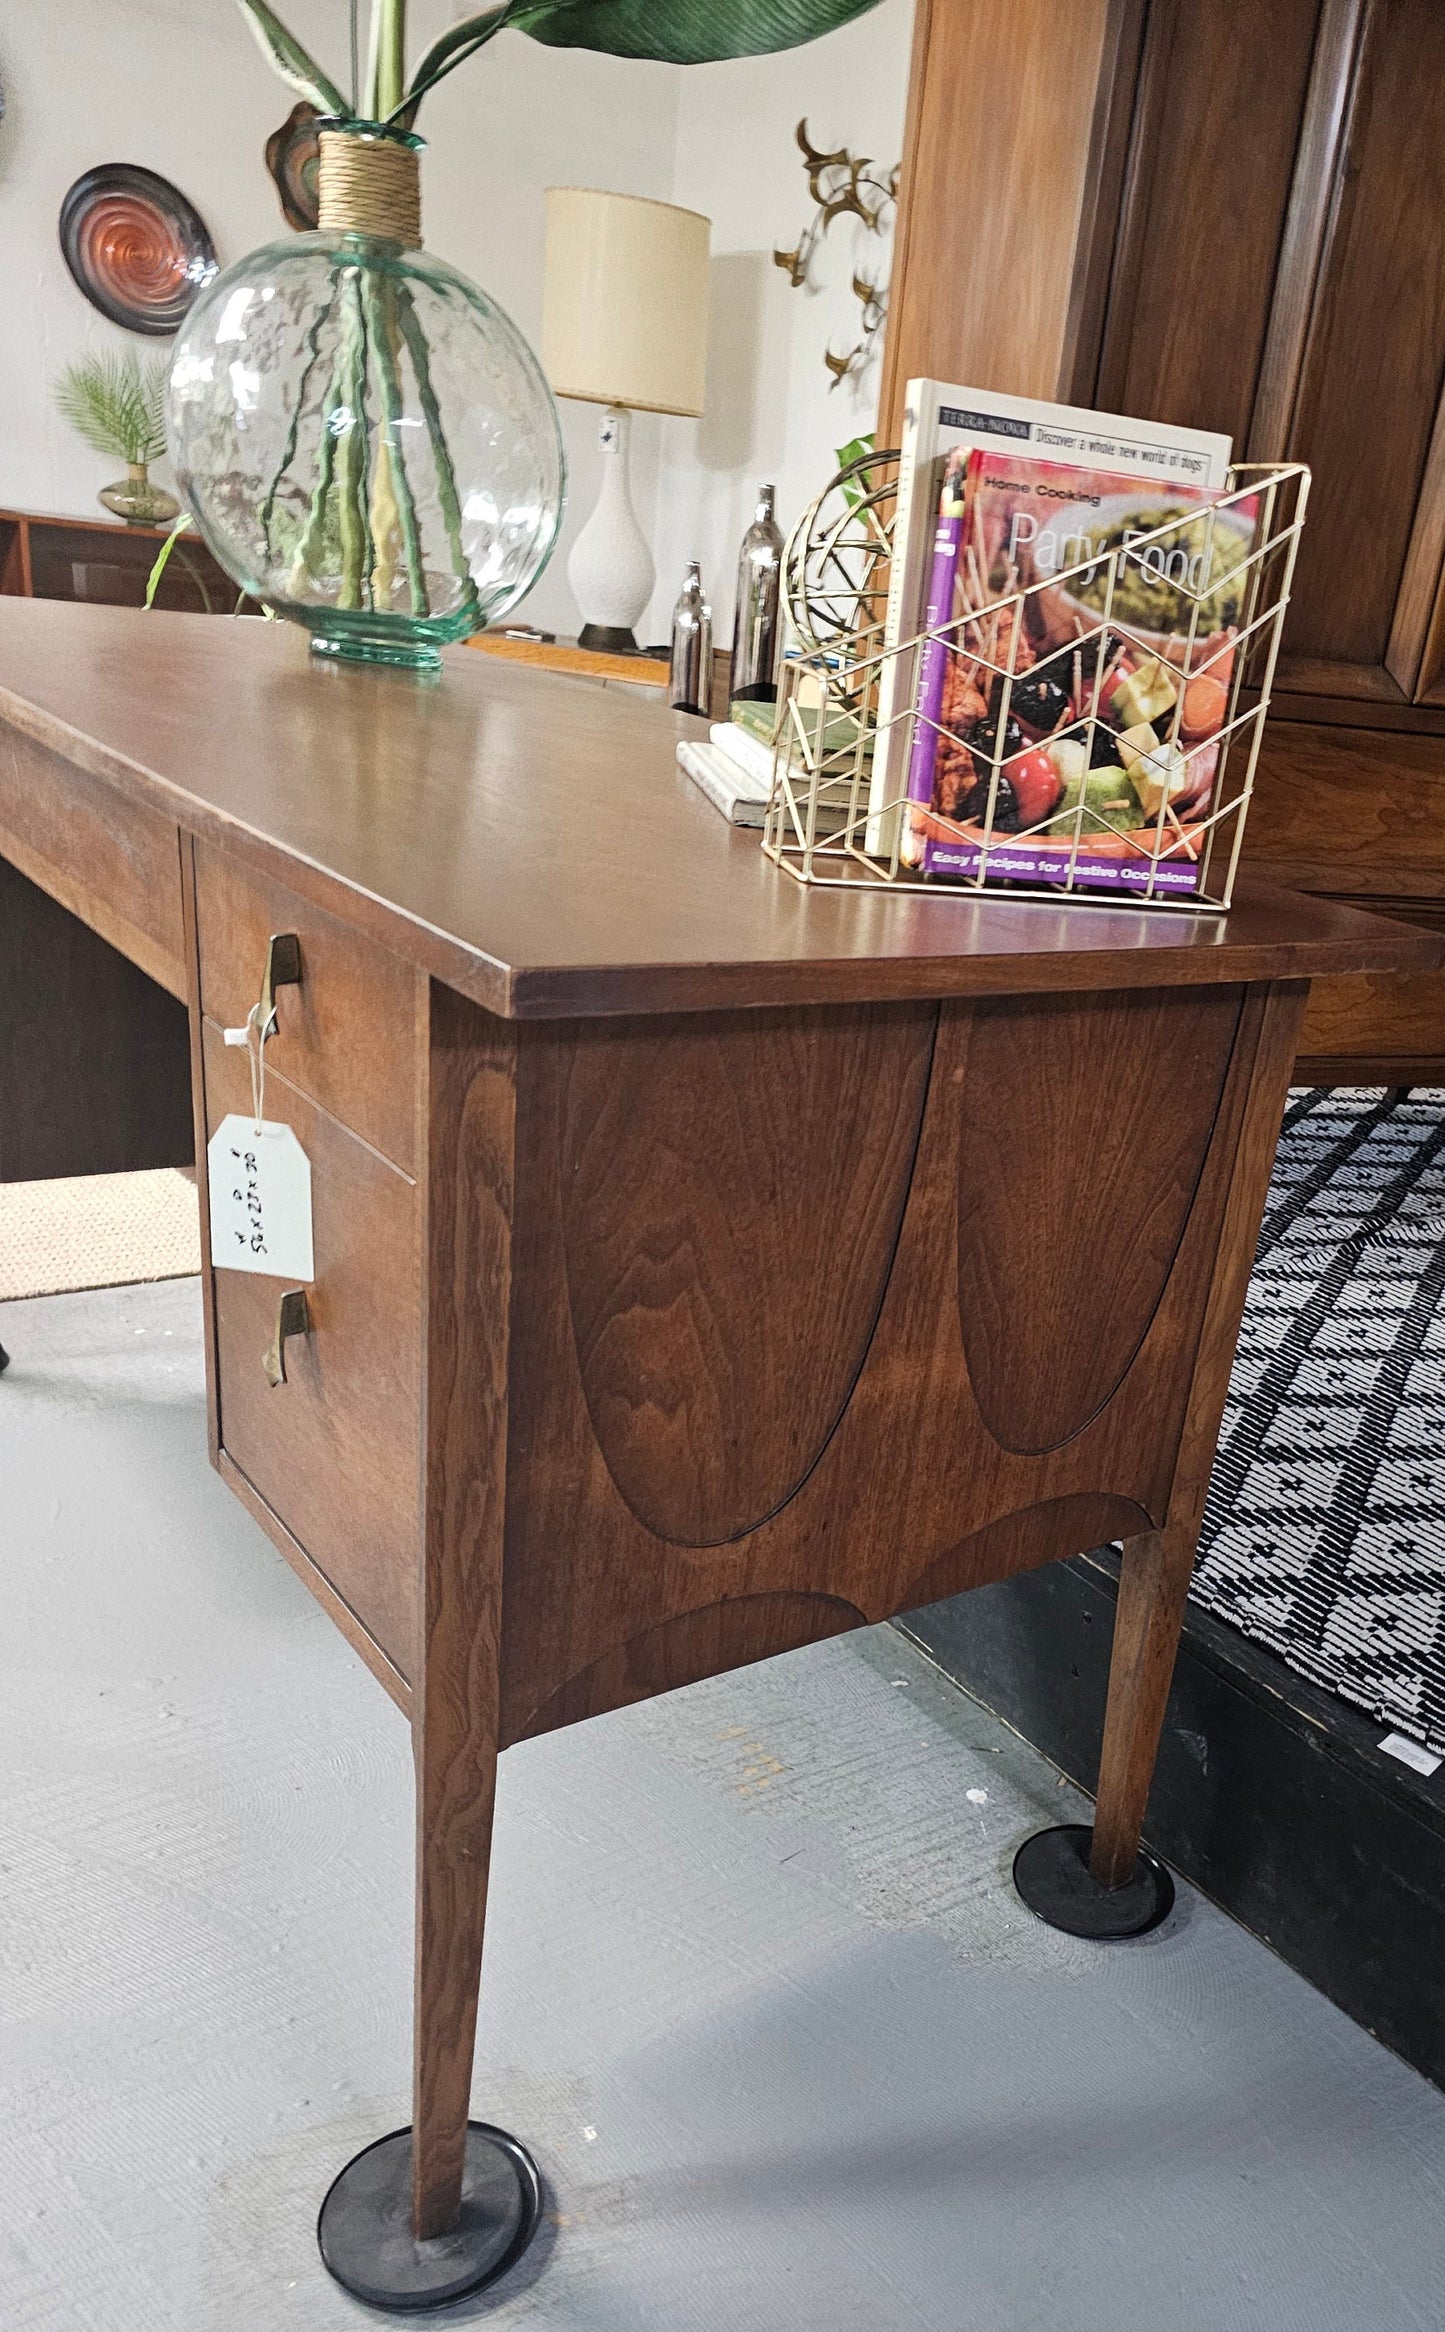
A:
{"x": 535, "y": 846}
{"x": 1206, "y": 97}
{"x": 351, "y": 1032}
{"x": 1155, "y": 1578}
{"x": 112, "y": 860}
{"x": 456, "y": 1717}
{"x": 732, "y": 1199}
{"x": 335, "y": 1451}
{"x": 1089, "y": 1121}
{"x": 584, "y": 663}
{"x": 933, "y": 1478}
{"x": 997, "y": 157}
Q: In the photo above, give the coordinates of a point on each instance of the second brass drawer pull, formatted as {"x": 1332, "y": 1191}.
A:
{"x": 293, "y": 1318}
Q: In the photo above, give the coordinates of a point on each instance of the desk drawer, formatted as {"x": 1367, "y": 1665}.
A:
{"x": 113, "y": 862}
{"x": 351, "y": 1033}
{"x": 336, "y": 1451}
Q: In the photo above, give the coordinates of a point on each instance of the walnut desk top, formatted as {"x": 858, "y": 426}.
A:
{"x": 703, "y": 1265}
{"x": 541, "y": 853}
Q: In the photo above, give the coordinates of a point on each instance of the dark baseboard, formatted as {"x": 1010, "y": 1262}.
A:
{"x": 1407, "y": 1069}
{"x": 1270, "y": 1795}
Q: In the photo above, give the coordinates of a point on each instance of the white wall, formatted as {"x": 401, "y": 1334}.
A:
{"x": 772, "y": 412}
{"x": 179, "y": 86}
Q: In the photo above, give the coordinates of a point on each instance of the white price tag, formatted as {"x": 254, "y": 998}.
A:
{"x": 260, "y": 1184}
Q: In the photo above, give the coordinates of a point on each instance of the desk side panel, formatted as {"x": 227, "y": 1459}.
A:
{"x": 1036, "y": 1236}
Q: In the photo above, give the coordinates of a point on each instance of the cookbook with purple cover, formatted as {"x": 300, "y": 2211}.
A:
{"x": 1067, "y": 725}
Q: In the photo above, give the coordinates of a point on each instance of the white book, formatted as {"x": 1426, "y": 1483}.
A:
{"x": 730, "y": 788}
{"x": 741, "y": 746}
{"x": 937, "y": 417}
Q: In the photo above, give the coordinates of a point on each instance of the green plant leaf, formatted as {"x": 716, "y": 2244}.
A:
{"x": 296, "y": 66}
{"x": 153, "y": 579}
{"x": 450, "y": 49}
{"x": 682, "y": 32}
{"x": 116, "y": 404}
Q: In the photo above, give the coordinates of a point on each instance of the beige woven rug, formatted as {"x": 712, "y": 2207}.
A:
{"x": 97, "y": 1230}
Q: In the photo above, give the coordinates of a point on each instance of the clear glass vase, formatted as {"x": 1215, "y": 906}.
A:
{"x": 367, "y": 444}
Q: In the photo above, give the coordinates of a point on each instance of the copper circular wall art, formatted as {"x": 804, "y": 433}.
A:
{"x": 137, "y": 249}
{"x": 293, "y": 156}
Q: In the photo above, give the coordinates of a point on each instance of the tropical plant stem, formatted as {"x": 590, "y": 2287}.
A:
{"x": 313, "y": 533}
{"x": 314, "y": 331}
{"x": 351, "y": 446}
{"x": 389, "y": 38}
{"x": 451, "y": 508}
{"x": 381, "y": 298}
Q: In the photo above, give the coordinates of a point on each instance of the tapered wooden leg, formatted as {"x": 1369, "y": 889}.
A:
{"x": 1152, "y": 1590}
{"x": 1102, "y": 1883}
{"x": 456, "y": 1789}
{"x": 437, "y": 2211}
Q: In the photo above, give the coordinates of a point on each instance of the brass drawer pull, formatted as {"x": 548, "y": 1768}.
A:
{"x": 283, "y": 970}
{"x": 293, "y": 1318}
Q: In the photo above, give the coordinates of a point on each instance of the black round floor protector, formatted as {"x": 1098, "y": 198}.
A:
{"x": 364, "y": 2229}
{"x": 1052, "y": 1875}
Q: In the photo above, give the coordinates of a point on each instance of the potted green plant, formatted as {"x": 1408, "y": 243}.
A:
{"x": 366, "y": 441}
{"x": 118, "y": 405}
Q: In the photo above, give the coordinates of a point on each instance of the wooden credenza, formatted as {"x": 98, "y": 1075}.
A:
{"x": 1230, "y": 214}
{"x": 105, "y": 563}
{"x": 703, "y": 1266}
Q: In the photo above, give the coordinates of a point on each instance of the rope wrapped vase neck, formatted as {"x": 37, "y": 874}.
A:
{"x": 369, "y": 186}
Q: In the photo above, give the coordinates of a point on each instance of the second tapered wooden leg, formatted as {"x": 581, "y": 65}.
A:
{"x": 454, "y": 1835}
{"x": 1152, "y": 1589}
{"x": 1101, "y": 1882}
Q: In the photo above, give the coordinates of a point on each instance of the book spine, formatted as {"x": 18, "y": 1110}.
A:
{"x": 934, "y": 662}
{"x": 749, "y": 752}
{"x": 882, "y": 823}
{"x": 739, "y": 806}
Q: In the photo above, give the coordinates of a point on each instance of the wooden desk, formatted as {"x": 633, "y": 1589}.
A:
{"x": 703, "y": 1265}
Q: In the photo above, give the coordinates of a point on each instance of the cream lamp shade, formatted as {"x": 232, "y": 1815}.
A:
{"x": 625, "y": 299}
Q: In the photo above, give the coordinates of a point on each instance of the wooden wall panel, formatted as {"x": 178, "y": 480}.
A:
{"x": 1374, "y": 359}
{"x": 1221, "y": 99}
{"x": 996, "y": 182}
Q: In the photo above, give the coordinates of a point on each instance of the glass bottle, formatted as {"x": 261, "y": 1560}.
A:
{"x": 689, "y": 681}
{"x": 753, "y": 673}
{"x": 365, "y": 440}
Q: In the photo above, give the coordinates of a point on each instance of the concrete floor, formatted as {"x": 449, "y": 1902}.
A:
{"x": 792, "y": 2056}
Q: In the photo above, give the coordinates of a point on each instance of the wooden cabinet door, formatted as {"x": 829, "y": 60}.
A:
{"x": 1280, "y": 272}
{"x": 1356, "y": 392}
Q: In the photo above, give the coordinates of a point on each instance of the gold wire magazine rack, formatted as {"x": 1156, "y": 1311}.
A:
{"x": 841, "y": 811}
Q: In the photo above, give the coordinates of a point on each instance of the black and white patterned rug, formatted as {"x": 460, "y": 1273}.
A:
{"x": 1324, "y": 1536}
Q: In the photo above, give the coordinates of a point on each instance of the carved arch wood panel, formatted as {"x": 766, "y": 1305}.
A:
{"x": 1117, "y": 1140}
{"x": 623, "y": 1262}
{"x": 730, "y": 1207}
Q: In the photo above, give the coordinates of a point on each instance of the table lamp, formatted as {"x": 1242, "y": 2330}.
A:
{"x": 624, "y": 324}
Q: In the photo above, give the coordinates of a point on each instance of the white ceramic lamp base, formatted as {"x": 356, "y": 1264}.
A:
{"x": 610, "y": 568}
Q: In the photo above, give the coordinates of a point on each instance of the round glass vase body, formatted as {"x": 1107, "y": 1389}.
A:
{"x": 366, "y": 443}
